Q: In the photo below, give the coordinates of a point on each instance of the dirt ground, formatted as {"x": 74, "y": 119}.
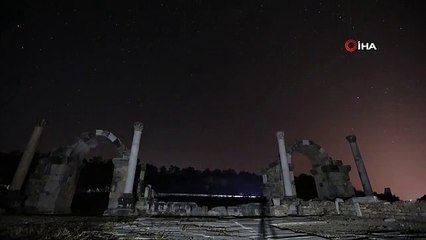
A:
{"x": 337, "y": 227}
{"x": 340, "y": 227}
{"x": 54, "y": 227}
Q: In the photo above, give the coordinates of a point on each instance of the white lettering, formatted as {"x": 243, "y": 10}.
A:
{"x": 372, "y": 46}
{"x": 366, "y": 46}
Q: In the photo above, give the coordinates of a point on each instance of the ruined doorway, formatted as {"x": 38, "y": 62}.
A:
{"x": 93, "y": 188}
{"x": 52, "y": 186}
{"x": 331, "y": 176}
{"x": 304, "y": 181}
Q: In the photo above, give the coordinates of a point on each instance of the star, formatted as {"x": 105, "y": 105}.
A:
{"x": 246, "y": 69}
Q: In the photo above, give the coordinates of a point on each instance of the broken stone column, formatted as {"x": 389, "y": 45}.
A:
{"x": 24, "y": 164}
{"x": 288, "y": 192}
{"x": 141, "y": 204}
{"x": 360, "y": 165}
{"x": 291, "y": 169}
{"x": 127, "y": 199}
{"x": 141, "y": 183}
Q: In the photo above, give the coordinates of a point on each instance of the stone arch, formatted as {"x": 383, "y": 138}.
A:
{"x": 331, "y": 176}
{"x": 51, "y": 187}
{"x": 316, "y": 154}
{"x": 95, "y": 138}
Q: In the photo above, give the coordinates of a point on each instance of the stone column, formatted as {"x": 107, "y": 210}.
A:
{"x": 360, "y": 165}
{"x": 24, "y": 164}
{"x": 288, "y": 192}
{"x": 291, "y": 169}
{"x": 127, "y": 199}
{"x": 141, "y": 204}
{"x": 117, "y": 184}
{"x": 141, "y": 183}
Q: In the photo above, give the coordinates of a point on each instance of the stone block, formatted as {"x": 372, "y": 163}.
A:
{"x": 235, "y": 211}
{"x": 276, "y": 201}
{"x": 213, "y": 213}
{"x": 366, "y": 199}
{"x": 221, "y": 211}
{"x": 278, "y": 211}
{"x": 199, "y": 211}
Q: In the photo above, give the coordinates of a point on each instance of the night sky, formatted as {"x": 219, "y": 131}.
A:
{"x": 213, "y": 81}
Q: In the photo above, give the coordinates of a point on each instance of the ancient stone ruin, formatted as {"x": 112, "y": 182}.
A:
{"x": 331, "y": 176}
{"x": 51, "y": 187}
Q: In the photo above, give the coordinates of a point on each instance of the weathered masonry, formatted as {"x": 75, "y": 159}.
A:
{"x": 51, "y": 187}
{"x": 331, "y": 176}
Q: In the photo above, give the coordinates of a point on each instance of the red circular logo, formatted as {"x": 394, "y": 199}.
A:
{"x": 351, "y": 45}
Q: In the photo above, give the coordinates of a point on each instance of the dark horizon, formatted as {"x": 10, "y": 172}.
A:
{"x": 213, "y": 82}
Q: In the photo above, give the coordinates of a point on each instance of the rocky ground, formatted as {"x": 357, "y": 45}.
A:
{"x": 70, "y": 228}
{"x": 339, "y": 227}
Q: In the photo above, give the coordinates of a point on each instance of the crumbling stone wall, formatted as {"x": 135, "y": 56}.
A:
{"x": 331, "y": 181}
{"x": 175, "y": 209}
{"x": 314, "y": 208}
{"x": 51, "y": 188}
{"x": 331, "y": 176}
{"x": 192, "y": 209}
{"x": 272, "y": 182}
{"x": 397, "y": 210}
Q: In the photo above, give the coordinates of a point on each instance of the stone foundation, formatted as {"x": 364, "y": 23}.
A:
{"x": 175, "y": 209}
{"x": 397, "y": 210}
